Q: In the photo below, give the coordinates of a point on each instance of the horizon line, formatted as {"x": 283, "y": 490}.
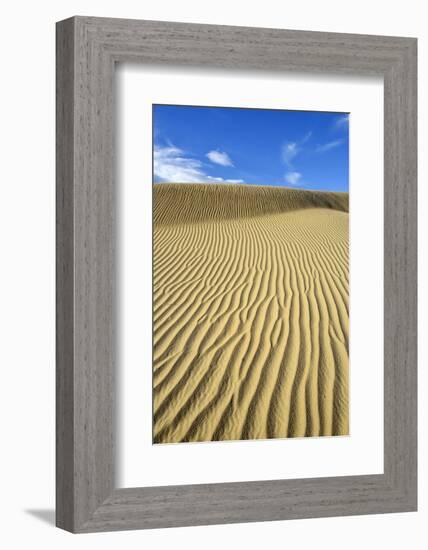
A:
{"x": 229, "y": 184}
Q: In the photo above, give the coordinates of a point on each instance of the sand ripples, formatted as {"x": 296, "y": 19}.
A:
{"x": 250, "y": 313}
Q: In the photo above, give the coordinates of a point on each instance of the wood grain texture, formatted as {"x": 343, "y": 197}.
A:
{"x": 64, "y": 277}
{"x": 87, "y": 49}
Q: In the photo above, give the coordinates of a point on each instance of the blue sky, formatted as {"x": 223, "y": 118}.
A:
{"x": 298, "y": 149}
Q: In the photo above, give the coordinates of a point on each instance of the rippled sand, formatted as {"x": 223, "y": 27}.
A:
{"x": 250, "y": 313}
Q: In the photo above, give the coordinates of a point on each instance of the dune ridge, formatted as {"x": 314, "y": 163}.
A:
{"x": 175, "y": 202}
{"x": 251, "y": 314}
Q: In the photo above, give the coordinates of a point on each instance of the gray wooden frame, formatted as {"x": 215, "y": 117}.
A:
{"x": 87, "y": 50}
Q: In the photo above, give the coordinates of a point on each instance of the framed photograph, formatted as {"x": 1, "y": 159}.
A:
{"x": 236, "y": 274}
{"x": 250, "y": 280}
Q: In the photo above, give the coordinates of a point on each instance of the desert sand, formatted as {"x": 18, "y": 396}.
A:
{"x": 250, "y": 313}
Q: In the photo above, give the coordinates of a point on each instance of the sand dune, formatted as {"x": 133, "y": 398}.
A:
{"x": 250, "y": 313}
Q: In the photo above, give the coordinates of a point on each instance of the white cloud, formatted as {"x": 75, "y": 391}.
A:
{"x": 218, "y": 157}
{"x": 171, "y": 165}
{"x": 291, "y": 149}
{"x": 342, "y": 121}
{"x": 306, "y": 138}
{"x": 222, "y": 180}
{"x": 293, "y": 178}
{"x": 327, "y": 146}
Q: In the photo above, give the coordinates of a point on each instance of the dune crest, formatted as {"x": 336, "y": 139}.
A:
{"x": 196, "y": 202}
{"x": 250, "y": 313}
